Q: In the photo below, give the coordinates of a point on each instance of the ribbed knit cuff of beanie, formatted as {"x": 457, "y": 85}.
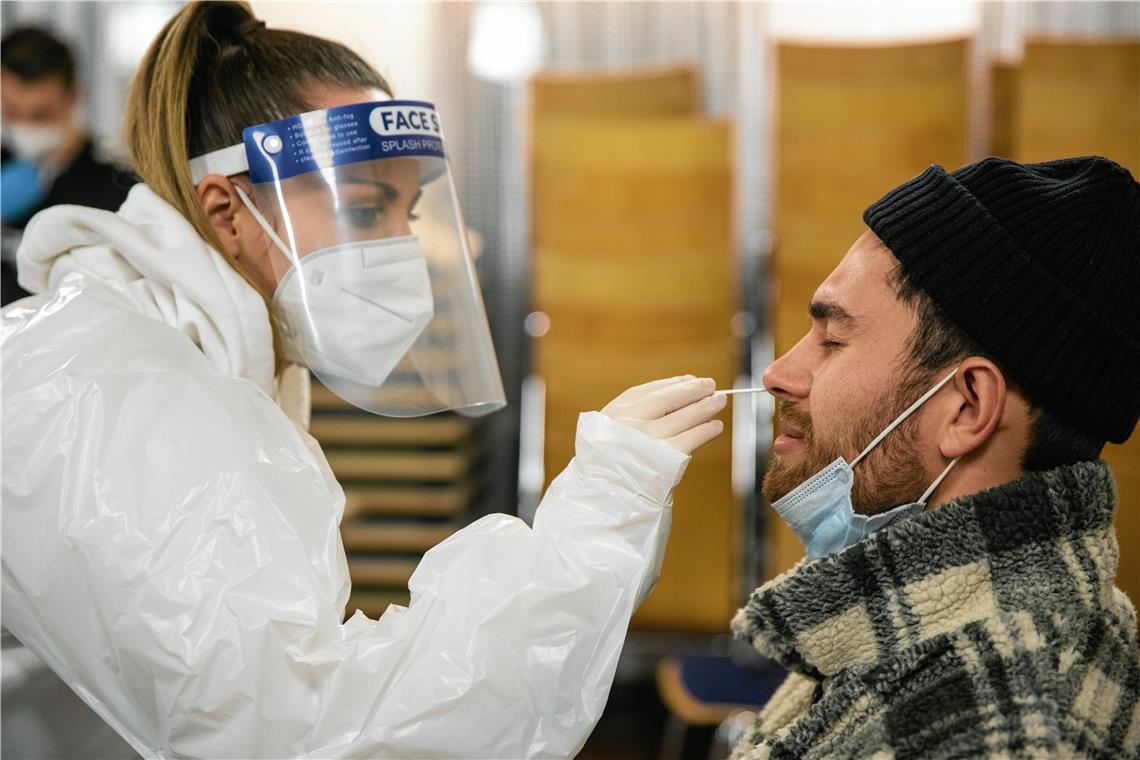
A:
{"x": 1040, "y": 265}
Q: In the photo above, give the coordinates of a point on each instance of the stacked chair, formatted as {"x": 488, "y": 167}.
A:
{"x": 634, "y": 266}
{"x": 409, "y": 484}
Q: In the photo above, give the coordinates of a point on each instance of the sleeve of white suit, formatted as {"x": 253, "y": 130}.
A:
{"x": 171, "y": 549}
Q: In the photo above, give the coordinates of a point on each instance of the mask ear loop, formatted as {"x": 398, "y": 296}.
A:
{"x": 264, "y": 224}
{"x": 922, "y": 499}
{"x": 277, "y": 241}
{"x": 909, "y": 411}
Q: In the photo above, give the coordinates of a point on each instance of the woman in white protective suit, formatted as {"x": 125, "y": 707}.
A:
{"x": 171, "y": 546}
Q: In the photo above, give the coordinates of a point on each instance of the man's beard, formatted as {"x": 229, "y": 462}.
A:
{"x": 888, "y": 476}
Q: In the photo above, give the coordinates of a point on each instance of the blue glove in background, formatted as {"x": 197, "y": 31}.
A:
{"x": 20, "y": 189}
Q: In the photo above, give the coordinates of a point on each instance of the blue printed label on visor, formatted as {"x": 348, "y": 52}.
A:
{"x": 344, "y": 135}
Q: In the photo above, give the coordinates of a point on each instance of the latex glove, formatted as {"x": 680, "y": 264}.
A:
{"x": 21, "y": 190}
{"x": 678, "y": 410}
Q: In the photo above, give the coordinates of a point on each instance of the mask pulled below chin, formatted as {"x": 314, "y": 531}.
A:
{"x": 820, "y": 510}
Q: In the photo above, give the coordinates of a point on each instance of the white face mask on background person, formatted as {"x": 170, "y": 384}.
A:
{"x": 820, "y": 511}
{"x": 34, "y": 143}
{"x": 353, "y": 310}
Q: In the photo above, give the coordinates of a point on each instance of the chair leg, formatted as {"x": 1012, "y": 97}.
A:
{"x": 673, "y": 741}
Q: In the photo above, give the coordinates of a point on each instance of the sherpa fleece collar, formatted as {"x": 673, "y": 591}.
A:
{"x": 1044, "y": 539}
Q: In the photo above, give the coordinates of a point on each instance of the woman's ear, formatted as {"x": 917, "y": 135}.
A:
{"x": 980, "y": 403}
{"x": 238, "y": 231}
{"x": 221, "y": 205}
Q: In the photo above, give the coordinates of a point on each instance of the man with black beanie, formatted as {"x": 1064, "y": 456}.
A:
{"x": 940, "y": 428}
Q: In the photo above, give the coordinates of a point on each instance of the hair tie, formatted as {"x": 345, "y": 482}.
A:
{"x": 248, "y": 28}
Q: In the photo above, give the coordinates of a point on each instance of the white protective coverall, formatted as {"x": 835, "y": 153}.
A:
{"x": 171, "y": 545}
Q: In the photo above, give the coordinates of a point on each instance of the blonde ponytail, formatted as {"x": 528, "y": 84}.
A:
{"x": 156, "y": 125}
{"x": 213, "y": 70}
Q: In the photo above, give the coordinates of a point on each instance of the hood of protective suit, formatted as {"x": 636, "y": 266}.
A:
{"x": 150, "y": 255}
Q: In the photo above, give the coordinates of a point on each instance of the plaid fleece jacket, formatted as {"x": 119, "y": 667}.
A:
{"x": 988, "y": 628}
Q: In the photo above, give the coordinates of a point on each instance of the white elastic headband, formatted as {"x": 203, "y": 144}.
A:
{"x": 230, "y": 161}
{"x": 227, "y": 162}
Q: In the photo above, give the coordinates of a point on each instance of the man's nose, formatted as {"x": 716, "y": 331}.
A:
{"x": 786, "y": 377}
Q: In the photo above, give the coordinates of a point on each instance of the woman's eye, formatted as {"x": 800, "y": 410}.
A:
{"x": 361, "y": 217}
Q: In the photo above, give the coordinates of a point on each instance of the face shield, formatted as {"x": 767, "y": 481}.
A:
{"x": 376, "y": 289}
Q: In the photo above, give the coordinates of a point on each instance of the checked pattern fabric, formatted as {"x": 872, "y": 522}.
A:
{"x": 989, "y": 628}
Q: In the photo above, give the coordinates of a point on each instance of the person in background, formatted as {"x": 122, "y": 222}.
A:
{"x": 48, "y": 158}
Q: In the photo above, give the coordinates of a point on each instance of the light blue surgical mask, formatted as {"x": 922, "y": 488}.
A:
{"x": 819, "y": 510}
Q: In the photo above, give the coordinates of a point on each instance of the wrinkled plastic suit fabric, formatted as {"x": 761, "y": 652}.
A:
{"x": 171, "y": 541}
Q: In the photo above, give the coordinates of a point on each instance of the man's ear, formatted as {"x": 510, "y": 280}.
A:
{"x": 221, "y": 205}
{"x": 979, "y": 405}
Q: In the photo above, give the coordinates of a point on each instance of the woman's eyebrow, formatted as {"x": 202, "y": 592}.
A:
{"x": 390, "y": 192}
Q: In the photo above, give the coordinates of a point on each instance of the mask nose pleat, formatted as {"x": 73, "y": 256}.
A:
{"x": 376, "y": 305}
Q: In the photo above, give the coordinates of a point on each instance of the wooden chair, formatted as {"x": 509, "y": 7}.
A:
{"x": 408, "y": 484}
{"x": 1077, "y": 98}
{"x": 634, "y": 265}
{"x": 663, "y": 91}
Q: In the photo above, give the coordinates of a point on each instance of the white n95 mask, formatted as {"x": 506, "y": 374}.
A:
{"x": 34, "y": 142}
{"x": 820, "y": 512}
{"x": 354, "y": 310}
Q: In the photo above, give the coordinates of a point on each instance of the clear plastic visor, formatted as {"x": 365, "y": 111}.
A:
{"x": 376, "y": 287}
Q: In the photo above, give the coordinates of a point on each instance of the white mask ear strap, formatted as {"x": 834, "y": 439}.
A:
{"x": 922, "y": 499}
{"x": 909, "y": 411}
{"x": 264, "y": 224}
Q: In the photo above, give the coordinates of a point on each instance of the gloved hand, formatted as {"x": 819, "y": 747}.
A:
{"x": 678, "y": 410}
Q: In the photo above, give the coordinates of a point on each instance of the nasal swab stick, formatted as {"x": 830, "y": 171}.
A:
{"x": 743, "y": 390}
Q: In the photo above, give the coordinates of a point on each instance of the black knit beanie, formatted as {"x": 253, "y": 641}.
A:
{"x": 1040, "y": 265}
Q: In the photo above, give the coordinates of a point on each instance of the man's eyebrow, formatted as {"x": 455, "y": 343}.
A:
{"x": 831, "y": 312}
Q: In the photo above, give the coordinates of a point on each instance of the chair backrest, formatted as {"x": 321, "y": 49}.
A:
{"x": 665, "y": 91}
{"x": 1079, "y": 98}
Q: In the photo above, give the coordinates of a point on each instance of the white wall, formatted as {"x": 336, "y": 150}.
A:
{"x": 395, "y": 37}
{"x": 880, "y": 21}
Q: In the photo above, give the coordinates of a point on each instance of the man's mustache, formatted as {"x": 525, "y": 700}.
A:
{"x": 789, "y": 416}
